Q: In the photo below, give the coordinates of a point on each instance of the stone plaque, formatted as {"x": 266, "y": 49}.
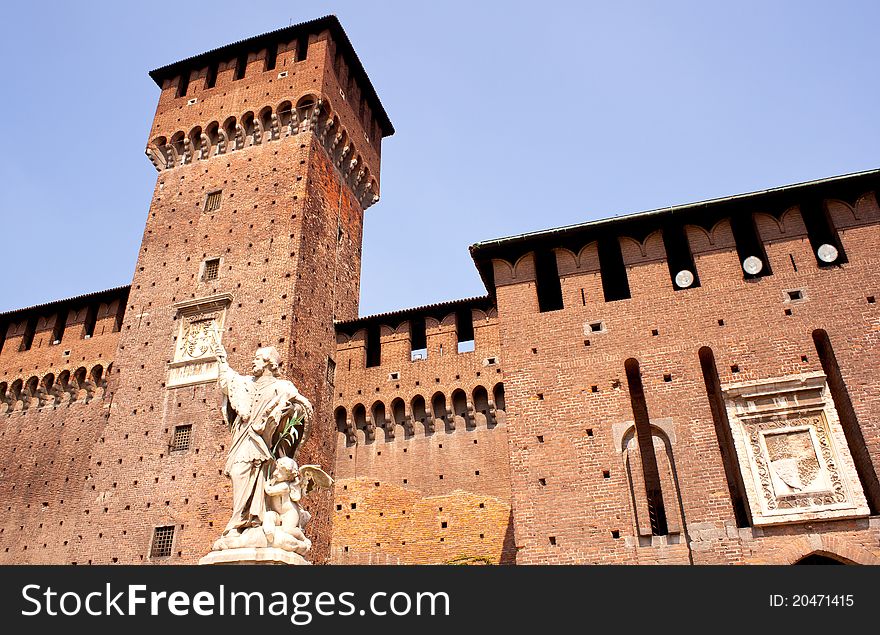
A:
{"x": 200, "y": 324}
{"x": 792, "y": 452}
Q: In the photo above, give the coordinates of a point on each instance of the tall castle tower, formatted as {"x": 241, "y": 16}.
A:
{"x": 268, "y": 153}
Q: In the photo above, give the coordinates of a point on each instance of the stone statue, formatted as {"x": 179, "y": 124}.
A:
{"x": 285, "y": 520}
{"x": 269, "y": 420}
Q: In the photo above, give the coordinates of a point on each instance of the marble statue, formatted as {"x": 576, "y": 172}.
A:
{"x": 269, "y": 420}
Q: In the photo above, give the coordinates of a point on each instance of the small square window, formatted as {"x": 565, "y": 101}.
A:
{"x": 182, "y": 435}
{"x": 162, "y": 539}
{"x": 212, "y": 202}
{"x": 212, "y": 269}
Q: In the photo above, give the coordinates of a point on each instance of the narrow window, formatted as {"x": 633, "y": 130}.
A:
{"x": 182, "y": 435}
{"x": 418, "y": 339}
{"x": 331, "y": 371}
{"x": 374, "y": 346}
{"x": 749, "y": 245}
{"x": 60, "y": 323}
{"x": 211, "y": 77}
{"x": 735, "y": 486}
{"x": 212, "y": 201}
{"x": 615, "y": 284}
{"x": 547, "y": 281}
{"x": 302, "y": 48}
{"x": 29, "y": 330}
{"x": 824, "y": 239}
{"x": 651, "y": 472}
{"x": 848, "y": 421}
{"x": 120, "y": 315}
{"x": 183, "y": 84}
{"x": 91, "y": 320}
{"x": 464, "y": 330}
{"x": 271, "y": 56}
{"x": 679, "y": 258}
{"x": 240, "y": 66}
{"x": 212, "y": 269}
{"x": 163, "y": 537}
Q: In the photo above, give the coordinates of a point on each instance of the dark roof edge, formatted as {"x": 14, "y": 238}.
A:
{"x": 476, "y": 248}
{"x": 330, "y": 22}
{"x": 72, "y": 300}
{"x": 402, "y": 313}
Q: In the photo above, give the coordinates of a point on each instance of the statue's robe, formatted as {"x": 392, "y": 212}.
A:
{"x": 250, "y": 404}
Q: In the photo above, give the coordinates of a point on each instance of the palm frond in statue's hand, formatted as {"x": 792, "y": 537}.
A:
{"x": 287, "y": 437}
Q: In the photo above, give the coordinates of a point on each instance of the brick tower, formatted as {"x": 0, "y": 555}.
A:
{"x": 268, "y": 154}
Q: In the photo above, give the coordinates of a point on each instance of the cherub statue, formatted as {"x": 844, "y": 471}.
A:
{"x": 284, "y": 519}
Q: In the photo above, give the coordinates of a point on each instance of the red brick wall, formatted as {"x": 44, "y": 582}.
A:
{"x": 395, "y": 492}
{"x": 571, "y": 394}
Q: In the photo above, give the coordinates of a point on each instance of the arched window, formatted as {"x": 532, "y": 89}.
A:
{"x": 230, "y": 130}
{"x": 438, "y": 406}
{"x": 378, "y": 414}
{"x": 419, "y": 412}
{"x": 359, "y": 415}
{"x": 398, "y": 415}
{"x": 645, "y": 439}
{"x": 97, "y": 375}
{"x": 265, "y": 118}
{"x": 212, "y": 132}
{"x": 251, "y": 137}
{"x": 498, "y": 397}
{"x": 460, "y": 406}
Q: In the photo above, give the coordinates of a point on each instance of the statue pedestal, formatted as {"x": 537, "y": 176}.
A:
{"x": 254, "y": 555}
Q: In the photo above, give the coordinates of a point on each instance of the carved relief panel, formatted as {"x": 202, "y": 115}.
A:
{"x": 792, "y": 451}
{"x": 199, "y": 326}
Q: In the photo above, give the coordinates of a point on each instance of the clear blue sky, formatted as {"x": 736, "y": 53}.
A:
{"x": 510, "y": 117}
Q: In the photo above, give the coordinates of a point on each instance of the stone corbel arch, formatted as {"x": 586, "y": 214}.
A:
{"x": 822, "y": 544}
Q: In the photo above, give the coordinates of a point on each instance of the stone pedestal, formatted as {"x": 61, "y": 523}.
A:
{"x": 254, "y": 555}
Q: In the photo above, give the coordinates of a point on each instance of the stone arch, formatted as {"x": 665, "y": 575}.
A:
{"x": 266, "y": 119}
{"x": 399, "y": 417}
{"x": 284, "y": 111}
{"x": 47, "y": 387}
{"x": 566, "y": 260}
{"x": 96, "y": 375}
{"x": 461, "y": 409}
{"x": 215, "y": 139}
{"x": 198, "y": 147}
{"x": 178, "y": 145}
{"x": 361, "y": 425}
{"x": 230, "y": 134}
{"x": 379, "y": 415}
{"x": 157, "y": 152}
{"x": 498, "y": 396}
{"x": 827, "y": 545}
{"x": 344, "y": 426}
{"x": 250, "y": 129}
{"x": 440, "y": 411}
{"x": 420, "y": 413}
{"x": 307, "y": 107}
{"x": 644, "y": 514}
{"x": 31, "y": 391}
{"x": 480, "y": 398}
{"x": 15, "y": 393}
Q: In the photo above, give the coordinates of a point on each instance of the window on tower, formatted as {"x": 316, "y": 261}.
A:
{"x": 212, "y": 202}
{"x": 212, "y": 269}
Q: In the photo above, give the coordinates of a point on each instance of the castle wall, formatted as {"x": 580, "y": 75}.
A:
{"x": 568, "y": 391}
{"x": 422, "y": 484}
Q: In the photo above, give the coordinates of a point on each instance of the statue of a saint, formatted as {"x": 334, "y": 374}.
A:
{"x": 259, "y": 410}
